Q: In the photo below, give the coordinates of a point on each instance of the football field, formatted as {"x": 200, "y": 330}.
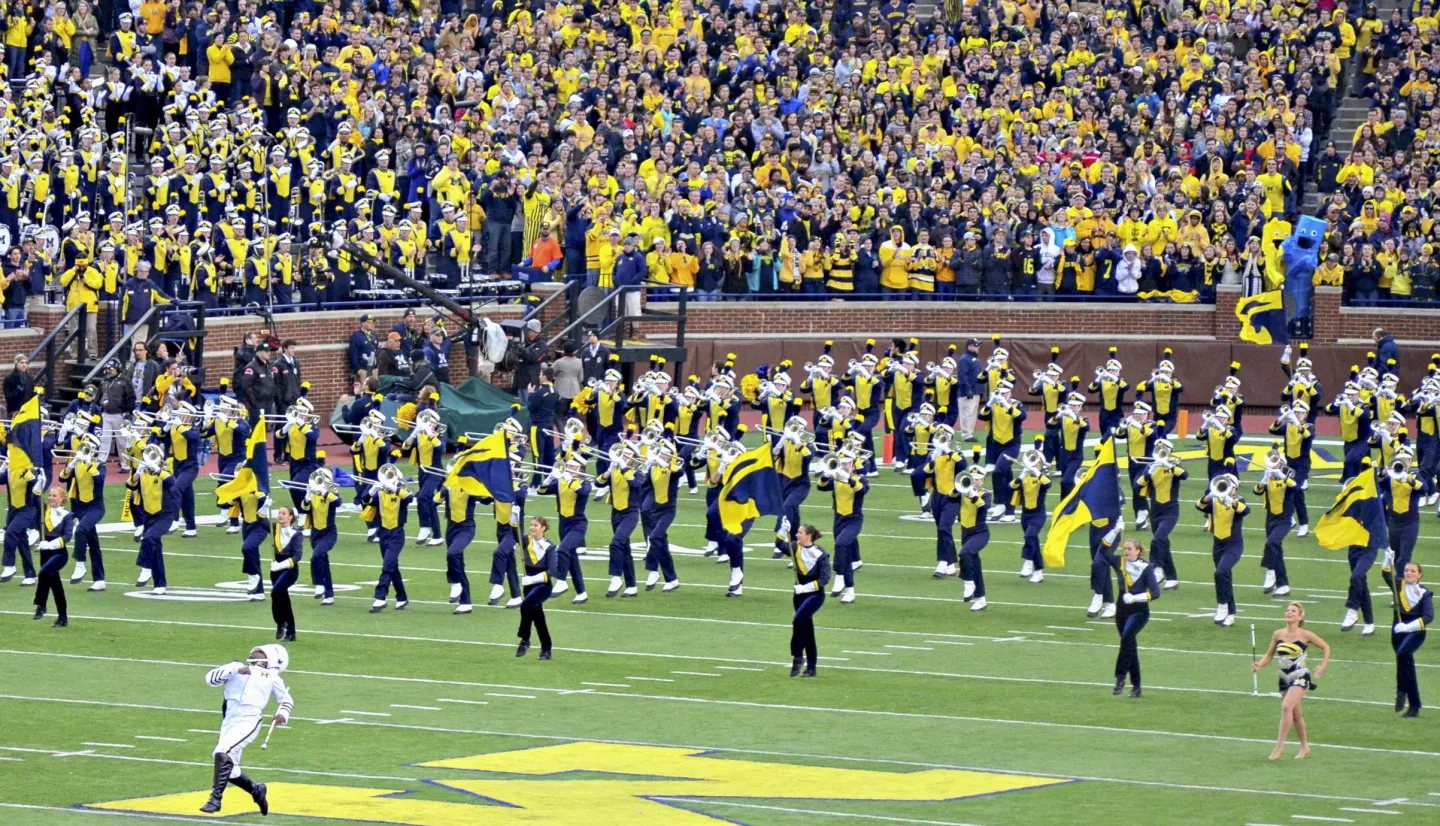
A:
{"x": 677, "y": 708}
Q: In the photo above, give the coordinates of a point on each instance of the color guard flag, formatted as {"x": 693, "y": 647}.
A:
{"x": 750, "y": 488}
{"x": 1262, "y": 318}
{"x": 254, "y": 473}
{"x": 23, "y": 450}
{"x": 484, "y": 470}
{"x": 1356, "y": 518}
{"x": 1097, "y": 496}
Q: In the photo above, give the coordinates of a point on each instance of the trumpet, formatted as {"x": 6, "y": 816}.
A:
{"x": 1276, "y": 465}
{"x": 941, "y": 441}
{"x": 1399, "y": 468}
{"x": 812, "y": 370}
{"x": 1223, "y": 488}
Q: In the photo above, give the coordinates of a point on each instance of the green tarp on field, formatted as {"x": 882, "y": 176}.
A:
{"x": 474, "y": 406}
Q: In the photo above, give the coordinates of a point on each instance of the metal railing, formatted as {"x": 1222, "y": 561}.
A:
{"x": 51, "y": 350}
{"x": 121, "y": 342}
{"x": 621, "y": 326}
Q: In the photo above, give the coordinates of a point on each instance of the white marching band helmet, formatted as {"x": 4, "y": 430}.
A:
{"x": 321, "y": 482}
{"x": 152, "y": 459}
{"x": 273, "y": 657}
{"x": 391, "y": 477}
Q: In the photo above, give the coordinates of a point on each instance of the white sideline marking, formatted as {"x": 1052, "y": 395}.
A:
{"x": 417, "y": 708}
{"x": 1370, "y": 811}
{"x": 606, "y": 685}
{"x": 695, "y": 673}
{"x": 366, "y": 713}
{"x": 466, "y": 702}
{"x": 911, "y": 647}
{"x": 163, "y": 739}
{"x": 13, "y": 759}
{"x": 737, "y": 668}
{"x": 652, "y": 679}
{"x": 106, "y": 745}
{"x": 511, "y": 696}
{"x": 871, "y": 653}
{"x": 104, "y": 812}
{"x": 948, "y": 642}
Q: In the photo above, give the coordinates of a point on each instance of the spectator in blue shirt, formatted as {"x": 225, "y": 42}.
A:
{"x": 969, "y": 389}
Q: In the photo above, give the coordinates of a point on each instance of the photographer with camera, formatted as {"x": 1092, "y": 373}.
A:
{"x": 500, "y": 204}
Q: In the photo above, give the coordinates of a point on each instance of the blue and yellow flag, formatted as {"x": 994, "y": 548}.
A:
{"x": 1356, "y": 518}
{"x": 23, "y": 449}
{"x": 1262, "y": 318}
{"x": 254, "y": 472}
{"x": 1097, "y": 496}
{"x": 484, "y": 470}
{"x": 749, "y": 488}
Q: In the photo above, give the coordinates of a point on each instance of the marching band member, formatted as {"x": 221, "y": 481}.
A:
{"x": 1276, "y": 489}
{"x": 1288, "y": 647}
{"x": 571, "y": 489}
{"x": 943, "y": 388}
{"x": 848, "y": 489}
{"x": 183, "y": 440}
{"x": 320, "y": 504}
{"x": 1388, "y": 399}
{"x": 1071, "y": 425}
{"x": 285, "y": 571}
{"x": 1110, "y": 387}
{"x": 1104, "y": 536}
{"x": 459, "y": 533}
{"x": 1164, "y": 390}
{"x": 1357, "y": 598}
{"x": 1391, "y": 437}
{"x": 1355, "y": 420}
{"x": 1138, "y": 433}
{"x": 509, "y": 516}
{"x": 1296, "y": 431}
{"x": 296, "y": 443}
{"x": 388, "y": 502}
{"x": 919, "y": 428}
{"x": 777, "y": 403}
{"x": 865, "y": 391}
{"x": 824, "y": 389}
{"x": 714, "y": 479}
{"x": 997, "y": 369}
{"x": 1002, "y": 441}
{"x": 1425, "y": 403}
{"x": 792, "y": 462}
{"x": 157, "y": 500}
{"x": 610, "y": 404}
{"x": 369, "y": 453}
{"x": 231, "y": 432}
{"x": 724, "y": 410}
{"x": 659, "y": 480}
{"x": 1400, "y": 492}
{"x": 84, "y": 478}
{"x": 687, "y": 430}
{"x": 812, "y": 572}
{"x": 1218, "y": 439}
{"x": 1228, "y": 397}
{"x": 56, "y": 527}
{"x": 254, "y": 506}
{"x": 625, "y": 495}
{"x": 1226, "y": 511}
{"x": 1139, "y": 584}
{"x": 25, "y": 490}
{"x": 1028, "y": 493}
{"x": 426, "y": 449}
{"x": 539, "y": 569}
{"x": 1049, "y": 388}
{"x": 975, "y": 502}
{"x": 1415, "y": 609}
{"x": 248, "y": 689}
{"x": 943, "y": 466}
{"x": 1303, "y": 385}
{"x": 907, "y": 394}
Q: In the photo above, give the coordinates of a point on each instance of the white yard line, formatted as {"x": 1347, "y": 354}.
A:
{"x": 651, "y": 679}
{"x": 511, "y": 696}
{"x": 106, "y": 745}
{"x": 695, "y": 673}
{"x": 366, "y": 713}
{"x": 415, "y": 708}
{"x": 1071, "y": 628}
{"x": 1322, "y": 819}
{"x": 738, "y": 668}
{"x": 911, "y": 647}
{"x": 948, "y": 642}
{"x": 463, "y": 702}
{"x": 162, "y": 739}
{"x": 606, "y": 685}
{"x": 102, "y": 812}
{"x": 1370, "y": 811}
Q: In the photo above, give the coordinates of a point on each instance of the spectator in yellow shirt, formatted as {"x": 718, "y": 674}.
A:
{"x": 683, "y": 266}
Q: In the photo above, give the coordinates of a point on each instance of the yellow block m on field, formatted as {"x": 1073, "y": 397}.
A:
{"x": 641, "y": 774}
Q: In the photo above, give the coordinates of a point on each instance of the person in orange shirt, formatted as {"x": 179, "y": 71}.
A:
{"x": 545, "y": 257}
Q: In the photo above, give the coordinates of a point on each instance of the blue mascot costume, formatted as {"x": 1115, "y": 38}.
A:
{"x": 1301, "y": 255}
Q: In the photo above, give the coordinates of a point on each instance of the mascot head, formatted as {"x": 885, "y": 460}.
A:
{"x": 1308, "y": 233}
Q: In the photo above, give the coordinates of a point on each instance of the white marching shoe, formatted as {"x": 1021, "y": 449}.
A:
{"x": 7, "y": 574}
{"x": 1351, "y": 617}
{"x": 1282, "y": 591}
{"x": 423, "y": 535}
{"x": 1221, "y": 612}
{"x": 670, "y": 586}
{"x": 190, "y": 533}
{"x": 737, "y": 576}
{"x": 857, "y": 564}
{"x": 941, "y": 570}
{"x": 377, "y": 606}
{"x": 925, "y": 500}
{"x": 328, "y": 601}
{"x": 838, "y": 587}
{"x": 978, "y": 605}
{"x": 1037, "y": 577}
{"x": 77, "y": 574}
{"x": 514, "y": 602}
{"x": 580, "y": 598}
{"x": 140, "y": 531}
{"x": 995, "y": 511}
{"x": 848, "y": 597}
{"x": 1027, "y": 568}
{"x": 711, "y": 547}
{"x": 1141, "y": 519}
{"x": 1269, "y": 581}
{"x": 722, "y": 559}
{"x": 1368, "y": 629}
{"x": 144, "y": 576}
{"x": 233, "y": 529}
{"x": 158, "y": 590}
{"x": 1228, "y": 621}
{"x": 27, "y": 582}
{"x": 560, "y": 587}
{"x": 600, "y": 492}
{"x": 1009, "y": 518}
{"x": 455, "y": 590}
{"x": 1107, "y": 610}
{"x": 1096, "y": 601}
{"x": 1170, "y": 585}
{"x": 1304, "y": 531}
{"x": 319, "y": 591}
{"x": 97, "y": 585}
{"x": 651, "y": 580}
{"x": 969, "y": 589}
{"x": 632, "y": 591}
{"x": 615, "y": 584}
{"x": 496, "y": 592}
{"x": 370, "y": 534}
{"x": 464, "y": 609}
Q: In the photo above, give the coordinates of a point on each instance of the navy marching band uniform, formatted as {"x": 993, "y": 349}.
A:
{"x": 1416, "y": 608}
{"x": 459, "y": 533}
{"x": 1228, "y": 546}
{"x": 390, "y": 510}
{"x": 812, "y": 572}
{"x": 1139, "y": 585}
{"x": 56, "y": 526}
{"x": 284, "y": 571}
{"x": 539, "y": 575}
{"x": 320, "y": 519}
{"x": 85, "y": 485}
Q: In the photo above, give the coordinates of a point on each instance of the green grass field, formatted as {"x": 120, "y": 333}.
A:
{"x": 677, "y": 709}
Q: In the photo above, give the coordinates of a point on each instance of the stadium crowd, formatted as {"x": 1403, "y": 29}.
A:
{"x": 1024, "y": 148}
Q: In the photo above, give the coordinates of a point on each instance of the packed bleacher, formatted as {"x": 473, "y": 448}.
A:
{"x": 238, "y": 155}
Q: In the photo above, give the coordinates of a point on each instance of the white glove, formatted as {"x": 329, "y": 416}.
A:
{"x": 799, "y": 589}
{"x": 264, "y": 511}
{"x": 374, "y": 490}
{"x": 1127, "y": 598}
{"x": 39, "y": 484}
{"x": 1285, "y": 356}
{"x": 50, "y": 545}
{"x": 532, "y": 580}
{"x": 1407, "y": 627}
{"x": 1388, "y": 563}
{"x": 1114, "y": 534}
{"x": 784, "y": 529}
{"x": 282, "y": 564}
